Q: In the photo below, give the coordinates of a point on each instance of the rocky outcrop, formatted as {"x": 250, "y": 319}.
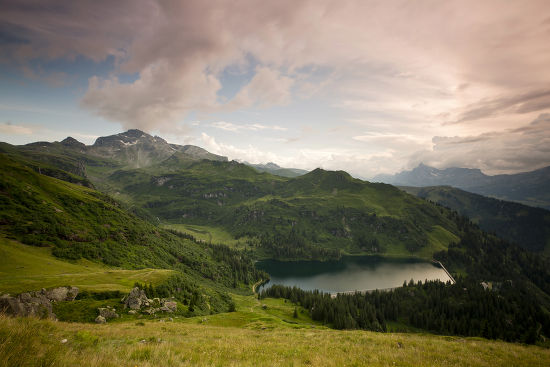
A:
{"x": 137, "y": 300}
{"x": 108, "y": 312}
{"x": 100, "y": 320}
{"x": 62, "y": 294}
{"x": 38, "y": 303}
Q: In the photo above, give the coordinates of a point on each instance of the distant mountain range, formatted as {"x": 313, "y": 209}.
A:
{"x": 318, "y": 215}
{"x": 529, "y": 188}
{"x": 275, "y": 169}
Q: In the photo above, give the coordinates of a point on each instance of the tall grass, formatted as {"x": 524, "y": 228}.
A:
{"x": 32, "y": 342}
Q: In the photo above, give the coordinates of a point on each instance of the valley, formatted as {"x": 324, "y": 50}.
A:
{"x": 274, "y": 183}
{"x": 181, "y": 223}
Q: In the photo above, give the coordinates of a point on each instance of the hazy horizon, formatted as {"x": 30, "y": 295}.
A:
{"x": 368, "y": 87}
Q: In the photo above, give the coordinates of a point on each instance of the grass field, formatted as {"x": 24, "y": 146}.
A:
{"x": 208, "y": 234}
{"x": 31, "y": 342}
{"x": 260, "y": 333}
{"x": 24, "y": 268}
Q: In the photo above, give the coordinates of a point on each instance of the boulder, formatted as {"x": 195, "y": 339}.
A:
{"x": 61, "y": 294}
{"x": 37, "y": 303}
{"x": 150, "y": 311}
{"x": 107, "y": 313}
{"x": 169, "y": 306}
{"x": 27, "y": 304}
{"x": 100, "y": 320}
{"x": 136, "y": 299}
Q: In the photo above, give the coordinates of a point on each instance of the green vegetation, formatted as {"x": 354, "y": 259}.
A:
{"x": 208, "y": 343}
{"x": 463, "y": 308}
{"x": 24, "y": 268}
{"x": 319, "y": 215}
{"x": 207, "y": 234}
{"x": 526, "y": 226}
{"x": 166, "y": 227}
{"x": 105, "y": 247}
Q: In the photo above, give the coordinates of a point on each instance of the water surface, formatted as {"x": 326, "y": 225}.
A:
{"x": 350, "y": 273}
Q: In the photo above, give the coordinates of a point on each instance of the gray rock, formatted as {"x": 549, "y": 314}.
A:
{"x": 132, "y": 312}
{"x": 136, "y": 299}
{"x": 27, "y": 304}
{"x": 37, "y": 303}
{"x": 100, "y": 320}
{"x": 107, "y": 312}
{"x": 149, "y": 311}
{"x": 61, "y": 294}
{"x": 171, "y": 306}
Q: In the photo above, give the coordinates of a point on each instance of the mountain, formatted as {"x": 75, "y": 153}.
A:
{"x": 275, "y": 169}
{"x": 87, "y": 228}
{"x": 524, "y": 225}
{"x": 318, "y": 215}
{"x": 91, "y": 213}
{"x": 138, "y": 149}
{"x": 529, "y": 188}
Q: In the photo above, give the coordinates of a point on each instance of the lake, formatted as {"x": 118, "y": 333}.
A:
{"x": 350, "y": 273}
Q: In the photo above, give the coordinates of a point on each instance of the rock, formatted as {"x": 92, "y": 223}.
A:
{"x": 27, "y": 304}
{"x": 61, "y": 294}
{"x": 149, "y": 311}
{"x": 107, "y": 313}
{"x": 171, "y": 306}
{"x": 136, "y": 299}
{"x": 165, "y": 309}
{"x": 37, "y": 303}
{"x": 63, "y": 341}
{"x": 132, "y": 312}
{"x": 100, "y": 320}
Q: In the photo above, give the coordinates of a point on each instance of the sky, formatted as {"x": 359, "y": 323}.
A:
{"x": 369, "y": 87}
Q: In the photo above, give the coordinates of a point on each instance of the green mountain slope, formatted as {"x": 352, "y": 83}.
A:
{"x": 277, "y": 170}
{"x": 318, "y": 215}
{"x": 524, "y": 225}
{"x": 74, "y": 222}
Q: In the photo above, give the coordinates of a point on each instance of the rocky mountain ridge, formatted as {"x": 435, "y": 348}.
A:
{"x": 529, "y": 188}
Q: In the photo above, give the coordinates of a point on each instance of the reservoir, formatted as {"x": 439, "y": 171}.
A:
{"x": 350, "y": 273}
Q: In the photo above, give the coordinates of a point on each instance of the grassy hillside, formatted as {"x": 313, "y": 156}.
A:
{"x": 213, "y": 341}
{"x": 24, "y": 268}
{"x": 102, "y": 246}
{"x": 318, "y": 215}
{"x": 521, "y": 224}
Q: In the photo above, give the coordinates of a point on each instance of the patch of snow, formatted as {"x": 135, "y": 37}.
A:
{"x": 135, "y": 142}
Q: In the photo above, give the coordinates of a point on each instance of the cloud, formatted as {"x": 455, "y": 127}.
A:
{"x": 228, "y": 126}
{"x": 156, "y": 101}
{"x": 10, "y": 129}
{"x": 407, "y": 57}
{"x": 531, "y": 101}
{"x": 267, "y": 88}
{"x": 510, "y": 151}
{"x": 359, "y": 164}
{"x": 402, "y": 68}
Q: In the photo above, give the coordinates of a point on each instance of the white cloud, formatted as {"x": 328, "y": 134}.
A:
{"x": 229, "y": 126}
{"x": 514, "y": 150}
{"x": 10, "y": 129}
